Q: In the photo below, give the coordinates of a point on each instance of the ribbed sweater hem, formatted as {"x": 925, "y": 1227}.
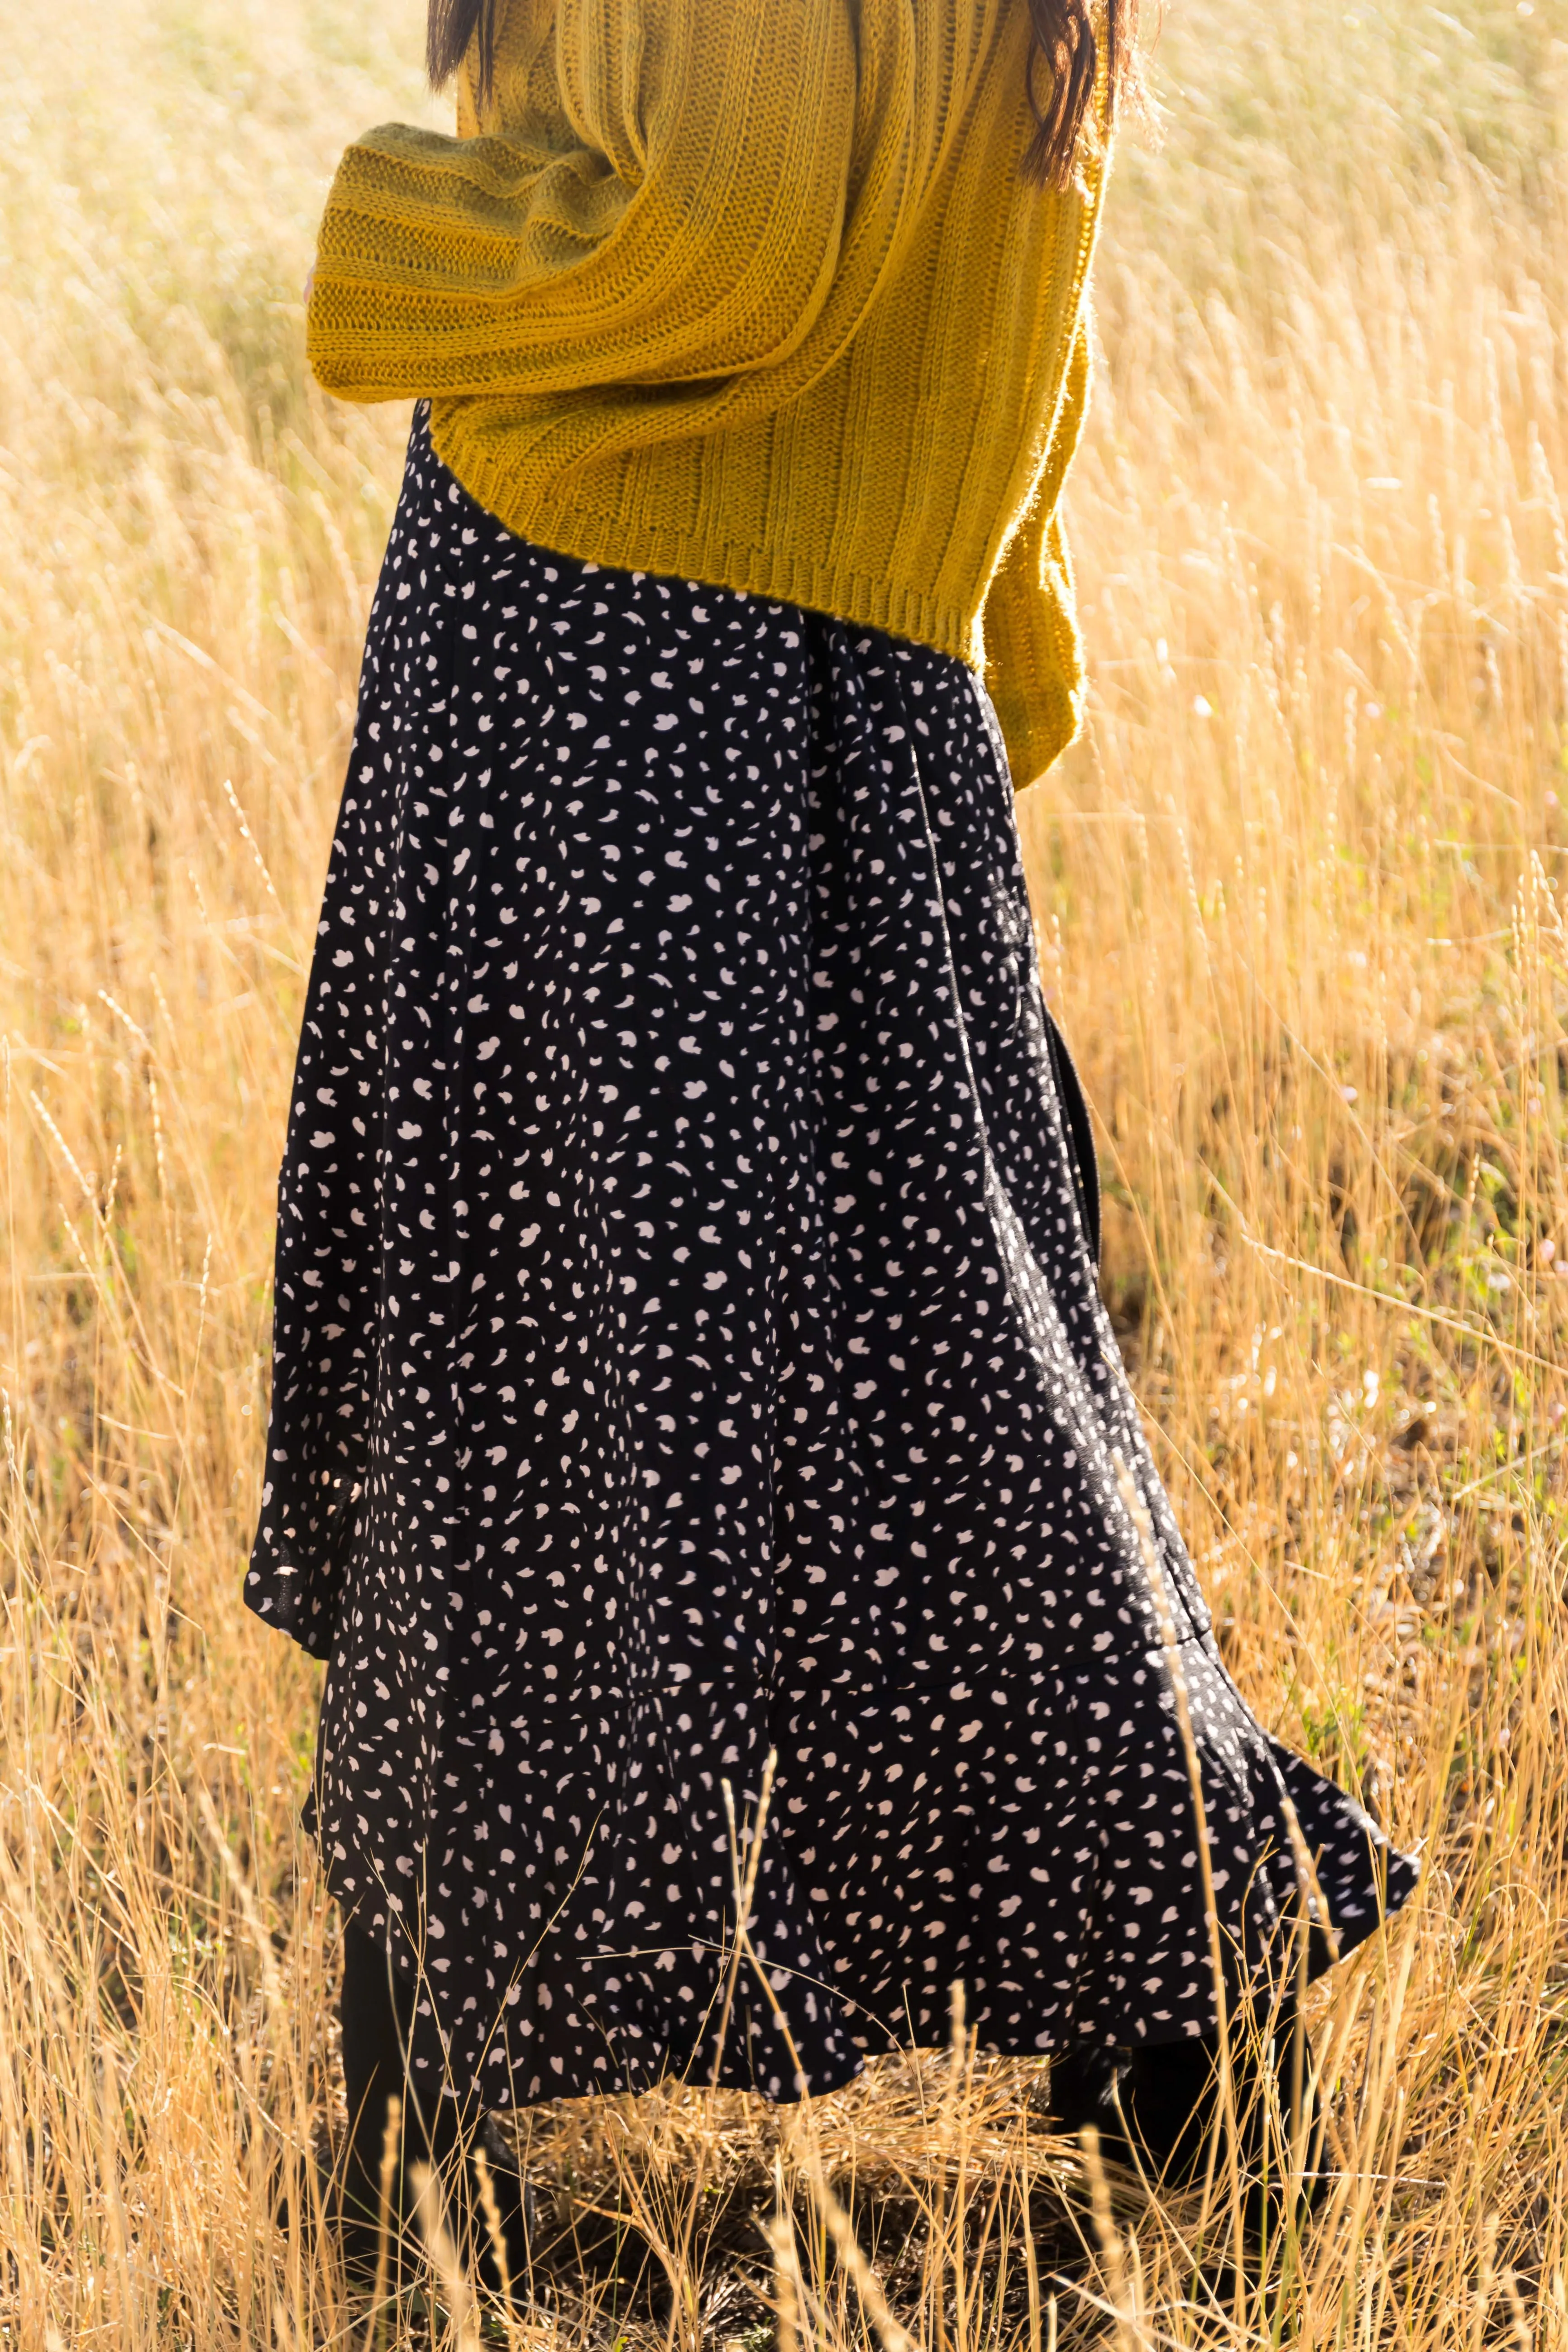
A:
{"x": 785, "y": 575}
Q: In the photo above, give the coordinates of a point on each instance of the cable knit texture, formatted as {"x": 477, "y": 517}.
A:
{"x": 751, "y": 292}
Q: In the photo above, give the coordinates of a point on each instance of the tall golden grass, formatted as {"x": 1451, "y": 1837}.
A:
{"x": 1300, "y": 902}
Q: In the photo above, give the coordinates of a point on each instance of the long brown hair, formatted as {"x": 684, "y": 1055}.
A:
{"x": 1065, "y": 55}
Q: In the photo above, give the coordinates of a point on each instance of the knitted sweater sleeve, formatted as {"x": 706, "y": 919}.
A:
{"x": 635, "y": 232}
{"x": 1034, "y": 659}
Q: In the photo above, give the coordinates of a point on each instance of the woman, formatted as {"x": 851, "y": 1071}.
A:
{"x": 687, "y": 1340}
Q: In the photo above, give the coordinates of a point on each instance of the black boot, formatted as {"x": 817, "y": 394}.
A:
{"x": 1082, "y": 2092}
{"x": 1172, "y": 2096}
{"x": 383, "y": 2035}
{"x": 1160, "y": 2107}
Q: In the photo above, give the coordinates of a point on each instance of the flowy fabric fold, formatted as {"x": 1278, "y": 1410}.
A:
{"x": 689, "y": 1350}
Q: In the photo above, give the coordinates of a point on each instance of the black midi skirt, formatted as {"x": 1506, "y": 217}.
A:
{"x": 688, "y": 1348}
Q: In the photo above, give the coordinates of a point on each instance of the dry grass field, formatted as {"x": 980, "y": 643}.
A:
{"x": 1300, "y": 904}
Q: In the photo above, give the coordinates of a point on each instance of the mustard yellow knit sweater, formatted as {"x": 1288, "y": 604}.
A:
{"x": 751, "y": 292}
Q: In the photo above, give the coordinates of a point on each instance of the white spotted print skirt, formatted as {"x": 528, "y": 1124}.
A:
{"x": 688, "y": 1348}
